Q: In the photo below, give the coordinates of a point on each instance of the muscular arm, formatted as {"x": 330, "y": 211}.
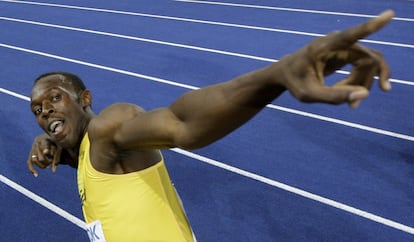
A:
{"x": 202, "y": 116}
{"x": 210, "y": 113}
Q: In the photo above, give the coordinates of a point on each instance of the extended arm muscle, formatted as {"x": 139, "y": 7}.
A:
{"x": 202, "y": 116}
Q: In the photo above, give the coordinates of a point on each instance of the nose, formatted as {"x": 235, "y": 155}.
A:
{"x": 47, "y": 109}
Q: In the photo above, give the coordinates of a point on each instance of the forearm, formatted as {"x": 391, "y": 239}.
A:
{"x": 212, "y": 112}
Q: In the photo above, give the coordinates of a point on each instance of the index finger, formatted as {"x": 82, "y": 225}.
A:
{"x": 56, "y": 158}
{"x": 350, "y": 36}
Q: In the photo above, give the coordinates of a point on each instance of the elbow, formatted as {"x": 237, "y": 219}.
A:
{"x": 192, "y": 141}
{"x": 189, "y": 144}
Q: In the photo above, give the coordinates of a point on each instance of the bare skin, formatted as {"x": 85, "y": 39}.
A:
{"x": 125, "y": 138}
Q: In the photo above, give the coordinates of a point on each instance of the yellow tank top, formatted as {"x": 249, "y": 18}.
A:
{"x": 138, "y": 206}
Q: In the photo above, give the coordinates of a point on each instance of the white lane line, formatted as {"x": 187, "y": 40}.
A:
{"x": 204, "y": 22}
{"x": 172, "y": 83}
{"x": 139, "y": 39}
{"x": 329, "y": 202}
{"x": 291, "y": 9}
{"x": 293, "y": 111}
{"x": 300, "y": 192}
{"x": 166, "y": 43}
{"x": 14, "y": 94}
{"x": 241, "y": 172}
{"x": 155, "y": 79}
{"x": 75, "y": 220}
{"x": 40, "y": 200}
{"x": 344, "y": 123}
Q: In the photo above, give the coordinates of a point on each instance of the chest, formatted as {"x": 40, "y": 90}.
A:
{"x": 108, "y": 158}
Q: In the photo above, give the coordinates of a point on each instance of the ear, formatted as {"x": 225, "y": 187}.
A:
{"x": 85, "y": 98}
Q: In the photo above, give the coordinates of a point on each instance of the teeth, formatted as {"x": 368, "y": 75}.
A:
{"x": 53, "y": 125}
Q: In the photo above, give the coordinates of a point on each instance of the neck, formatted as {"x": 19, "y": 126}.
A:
{"x": 73, "y": 153}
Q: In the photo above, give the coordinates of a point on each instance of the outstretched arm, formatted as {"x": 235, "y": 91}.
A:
{"x": 202, "y": 116}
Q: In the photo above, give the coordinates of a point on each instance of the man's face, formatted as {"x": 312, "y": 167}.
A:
{"x": 58, "y": 111}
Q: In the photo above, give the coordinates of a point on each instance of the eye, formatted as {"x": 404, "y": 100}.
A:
{"x": 56, "y": 97}
{"x": 37, "y": 110}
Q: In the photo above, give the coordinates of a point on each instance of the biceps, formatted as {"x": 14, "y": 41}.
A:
{"x": 151, "y": 130}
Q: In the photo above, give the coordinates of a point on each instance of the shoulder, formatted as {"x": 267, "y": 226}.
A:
{"x": 109, "y": 120}
{"x": 128, "y": 110}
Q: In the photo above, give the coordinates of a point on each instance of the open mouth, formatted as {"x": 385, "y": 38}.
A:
{"x": 56, "y": 127}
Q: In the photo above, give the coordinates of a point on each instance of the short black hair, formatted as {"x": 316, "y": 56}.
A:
{"x": 77, "y": 83}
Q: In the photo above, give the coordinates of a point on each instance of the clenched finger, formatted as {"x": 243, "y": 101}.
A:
{"x": 56, "y": 158}
{"x": 30, "y": 164}
{"x": 41, "y": 159}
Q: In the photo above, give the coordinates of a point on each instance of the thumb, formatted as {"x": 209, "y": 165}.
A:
{"x": 337, "y": 94}
{"x": 355, "y": 97}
